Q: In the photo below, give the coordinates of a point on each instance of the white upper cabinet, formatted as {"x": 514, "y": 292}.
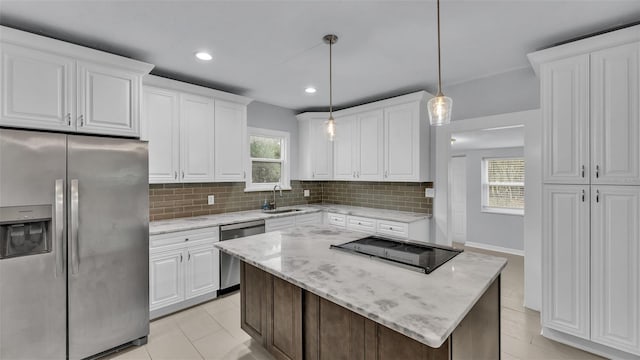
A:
{"x": 615, "y": 115}
{"x": 230, "y": 140}
{"x": 37, "y": 89}
{"x": 615, "y": 273}
{"x": 315, "y": 155}
{"x": 108, "y": 100}
{"x": 161, "y": 115}
{"x": 193, "y": 135}
{"x": 344, "y": 148}
{"x": 386, "y": 140}
{"x": 565, "y": 106}
{"x": 565, "y": 250}
{"x": 196, "y": 138}
{"x": 369, "y": 146}
{"x": 402, "y": 143}
{"x": 53, "y": 85}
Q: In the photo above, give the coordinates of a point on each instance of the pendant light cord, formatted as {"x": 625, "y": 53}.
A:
{"x": 330, "y": 79}
{"x": 439, "y": 61}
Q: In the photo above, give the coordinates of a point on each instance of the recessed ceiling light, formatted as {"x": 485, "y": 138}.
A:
{"x": 310, "y": 90}
{"x": 204, "y": 56}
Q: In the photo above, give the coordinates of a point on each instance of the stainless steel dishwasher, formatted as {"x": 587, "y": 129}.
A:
{"x": 229, "y": 265}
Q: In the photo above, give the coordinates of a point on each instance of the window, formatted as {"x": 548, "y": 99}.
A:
{"x": 268, "y": 160}
{"x": 503, "y": 185}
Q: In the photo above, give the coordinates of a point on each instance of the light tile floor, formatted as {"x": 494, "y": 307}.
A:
{"x": 212, "y": 330}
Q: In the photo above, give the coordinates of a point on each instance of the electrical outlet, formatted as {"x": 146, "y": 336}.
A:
{"x": 211, "y": 199}
{"x": 429, "y": 193}
{"x": 306, "y": 193}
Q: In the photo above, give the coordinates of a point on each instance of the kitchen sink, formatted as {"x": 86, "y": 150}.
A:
{"x": 280, "y": 211}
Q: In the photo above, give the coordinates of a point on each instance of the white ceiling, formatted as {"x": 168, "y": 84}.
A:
{"x": 272, "y": 50}
{"x": 505, "y": 137}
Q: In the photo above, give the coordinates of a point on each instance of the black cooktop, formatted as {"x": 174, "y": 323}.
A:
{"x": 419, "y": 257}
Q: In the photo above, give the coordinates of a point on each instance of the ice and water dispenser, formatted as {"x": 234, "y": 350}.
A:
{"x": 24, "y": 230}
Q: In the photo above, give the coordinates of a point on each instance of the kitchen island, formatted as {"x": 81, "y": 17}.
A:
{"x": 301, "y": 299}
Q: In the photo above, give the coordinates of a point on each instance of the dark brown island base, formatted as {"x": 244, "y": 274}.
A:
{"x": 293, "y": 323}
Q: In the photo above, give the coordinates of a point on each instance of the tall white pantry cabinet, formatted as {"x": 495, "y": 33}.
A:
{"x": 590, "y": 99}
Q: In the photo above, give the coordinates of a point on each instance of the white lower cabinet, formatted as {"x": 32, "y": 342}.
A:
{"x": 590, "y": 272}
{"x": 615, "y": 274}
{"x": 415, "y": 230}
{"x": 565, "y": 250}
{"x": 287, "y": 222}
{"x": 166, "y": 278}
{"x": 183, "y": 270}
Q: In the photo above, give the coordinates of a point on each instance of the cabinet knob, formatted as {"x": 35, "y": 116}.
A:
{"x": 180, "y": 257}
{"x": 188, "y": 256}
{"x": 175, "y": 175}
{"x": 183, "y": 174}
{"x": 186, "y": 239}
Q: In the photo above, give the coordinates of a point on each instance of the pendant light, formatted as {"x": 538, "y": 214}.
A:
{"x": 331, "y": 123}
{"x": 439, "y": 106}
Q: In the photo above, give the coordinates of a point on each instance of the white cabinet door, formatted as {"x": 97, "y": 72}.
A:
{"x": 203, "y": 268}
{"x": 230, "y": 141}
{"x": 615, "y": 115}
{"x": 564, "y": 86}
{"x": 615, "y": 274}
{"x": 107, "y": 100}
{"x": 37, "y": 89}
{"x": 309, "y": 219}
{"x": 401, "y": 143}
{"x": 321, "y": 150}
{"x": 166, "y": 278}
{"x": 344, "y": 148}
{"x": 565, "y": 254}
{"x": 161, "y": 116}
{"x": 281, "y": 223}
{"x": 196, "y": 138}
{"x": 370, "y": 145}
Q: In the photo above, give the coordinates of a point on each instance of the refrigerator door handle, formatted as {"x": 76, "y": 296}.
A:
{"x": 59, "y": 225}
{"x": 75, "y": 261}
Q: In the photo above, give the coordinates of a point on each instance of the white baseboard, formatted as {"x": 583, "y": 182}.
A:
{"x": 586, "y": 345}
{"x": 494, "y": 248}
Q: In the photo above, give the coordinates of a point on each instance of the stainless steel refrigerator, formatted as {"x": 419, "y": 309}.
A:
{"x": 74, "y": 253}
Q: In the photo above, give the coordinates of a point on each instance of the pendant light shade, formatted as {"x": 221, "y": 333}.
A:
{"x": 439, "y": 106}
{"x": 440, "y": 110}
{"x": 331, "y": 122}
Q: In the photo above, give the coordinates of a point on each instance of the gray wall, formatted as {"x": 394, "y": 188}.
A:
{"x": 507, "y": 92}
{"x": 501, "y": 230}
{"x": 267, "y": 116}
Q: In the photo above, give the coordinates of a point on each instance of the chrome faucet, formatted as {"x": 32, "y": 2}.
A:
{"x": 273, "y": 204}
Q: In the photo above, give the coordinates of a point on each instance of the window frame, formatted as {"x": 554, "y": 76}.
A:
{"x": 485, "y": 188}
{"x": 285, "y": 175}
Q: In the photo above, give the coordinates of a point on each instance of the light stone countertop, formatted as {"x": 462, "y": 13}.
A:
{"x": 426, "y": 308}
{"x": 199, "y": 222}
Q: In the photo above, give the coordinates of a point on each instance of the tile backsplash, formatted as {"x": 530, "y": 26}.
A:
{"x": 168, "y": 201}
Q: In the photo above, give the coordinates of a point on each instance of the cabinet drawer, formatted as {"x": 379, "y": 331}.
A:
{"x": 356, "y": 223}
{"x": 338, "y": 220}
{"x": 393, "y": 228}
{"x": 309, "y": 219}
{"x": 280, "y": 223}
{"x": 187, "y": 236}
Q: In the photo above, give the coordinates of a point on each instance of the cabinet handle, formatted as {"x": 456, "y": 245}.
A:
{"x": 68, "y": 117}
{"x": 244, "y": 174}
{"x": 175, "y": 175}
{"x": 582, "y": 195}
{"x": 180, "y": 257}
{"x": 313, "y": 174}
{"x": 583, "y": 171}
{"x": 81, "y": 120}
{"x": 358, "y": 174}
{"x": 354, "y": 174}
{"x": 597, "y": 171}
{"x": 597, "y": 196}
{"x": 183, "y": 174}
{"x": 188, "y": 256}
